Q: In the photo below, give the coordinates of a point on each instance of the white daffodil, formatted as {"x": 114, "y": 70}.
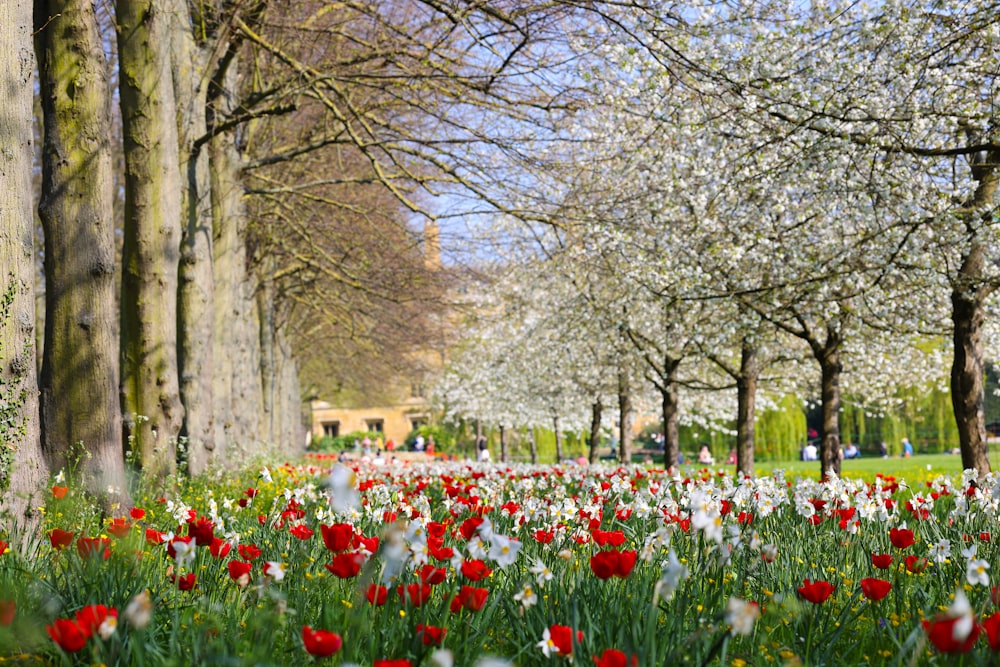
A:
{"x": 541, "y": 571}
{"x": 526, "y": 596}
{"x": 941, "y": 550}
{"x": 274, "y": 570}
{"x": 503, "y": 550}
{"x": 976, "y": 572}
{"x": 547, "y": 645}
{"x": 741, "y": 616}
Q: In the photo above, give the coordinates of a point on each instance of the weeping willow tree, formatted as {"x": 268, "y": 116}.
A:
{"x": 924, "y": 417}
{"x": 782, "y": 432}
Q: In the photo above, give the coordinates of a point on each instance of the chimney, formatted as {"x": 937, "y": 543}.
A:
{"x": 432, "y": 245}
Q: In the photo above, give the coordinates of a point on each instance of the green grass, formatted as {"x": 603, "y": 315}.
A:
{"x": 919, "y": 467}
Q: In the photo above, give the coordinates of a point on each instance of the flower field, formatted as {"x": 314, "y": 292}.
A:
{"x": 490, "y": 564}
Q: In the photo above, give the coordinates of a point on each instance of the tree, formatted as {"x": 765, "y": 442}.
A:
{"x": 151, "y": 405}
{"x": 903, "y": 96}
{"x": 23, "y": 472}
{"x": 80, "y": 405}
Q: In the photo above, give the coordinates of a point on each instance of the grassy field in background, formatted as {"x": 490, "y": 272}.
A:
{"x": 918, "y": 467}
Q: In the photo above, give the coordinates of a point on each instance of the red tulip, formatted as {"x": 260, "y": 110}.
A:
{"x": 91, "y": 617}
{"x": 475, "y": 570}
{"x": 608, "y": 538}
{"x": 991, "y": 626}
{"x": 177, "y": 538}
{"x": 154, "y": 537}
{"x": 916, "y": 565}
{"x": 881, "y": 561}
{"x": 137, "y": 514}
{"x": 417, "y": 594}
{"x": 320, "y": 643}
{"x": 239, "y": 569}
{"x": 901, "y": 538}
{"x": 470, "y": 526}
{"x": 438, "y": 552}
{"x": 376, "y": 594}
{"x": 202, "y": 530}
{"x": 399, "y": 662}
{"x": 431, "y": 635}
{"x": 337, "y": 537}
{"x": 469, "y": 597}
{"x": 875, "y": 589}
{"x": 369, "y": 544}
{"x": 612, "y": 657}
{"x": 67, "y": 634}
{"x": 60, "y": 539}
{"x": 816, "y": 592}
{"x": 7, "y": 611}
{"x": 612, "y": 563}
{"x": 185, "y": 582}
{"x": 249, "y": 551}
{"x": 119, "y": 527}
{"x": 562, "y": 638}
{"x": 432, "y": 575}
{"x": 301, "y": 531}
{"x": 219, "y": 548}
{"x": 91, "y": 546}
{"x": 346, "y": 565}
{"x": 941, "y": 633}
{"x": 59, "y": 491}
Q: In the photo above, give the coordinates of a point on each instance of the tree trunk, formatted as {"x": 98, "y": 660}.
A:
{"x": 746, "y": 398}
{"x": 291, "y": 429}
{"x": 151, "y": 403}
{"x": 534, "y": 446}
{"x": 670, "y": 411}
{"x": 22, "y": 466}
{"x": 237, "y": 380}
{"x": 23, "y": 473}
{"x": 79, "y": 399}
{"x": 559, "y": 443}
{"x": 967, "y": 370}
{"x": 595, "y": 429}
{"x": 196, "y": 288}
{"x": 265, "y": 306}
{"x": 830, "y": 367}
{"x": 625, "y": 417}
{"x": 503, "y": 443}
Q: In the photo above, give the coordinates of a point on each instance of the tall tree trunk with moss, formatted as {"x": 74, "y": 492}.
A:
{"x": 79, "y": 398}
{"x": 151, "y": 404}
{"x": 23, "y": 473}
{"x": 191, "y": 62}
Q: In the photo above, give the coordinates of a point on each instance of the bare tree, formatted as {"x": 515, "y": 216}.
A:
{"x": 151, "y": 403}
{"x": 22, "y": 467}
{"x": 79, "y": 377}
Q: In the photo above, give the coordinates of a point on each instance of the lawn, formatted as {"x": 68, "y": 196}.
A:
{"x": 917, "y": 468}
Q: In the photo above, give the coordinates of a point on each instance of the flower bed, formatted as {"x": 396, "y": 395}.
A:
{"x": 441, "y": 564}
